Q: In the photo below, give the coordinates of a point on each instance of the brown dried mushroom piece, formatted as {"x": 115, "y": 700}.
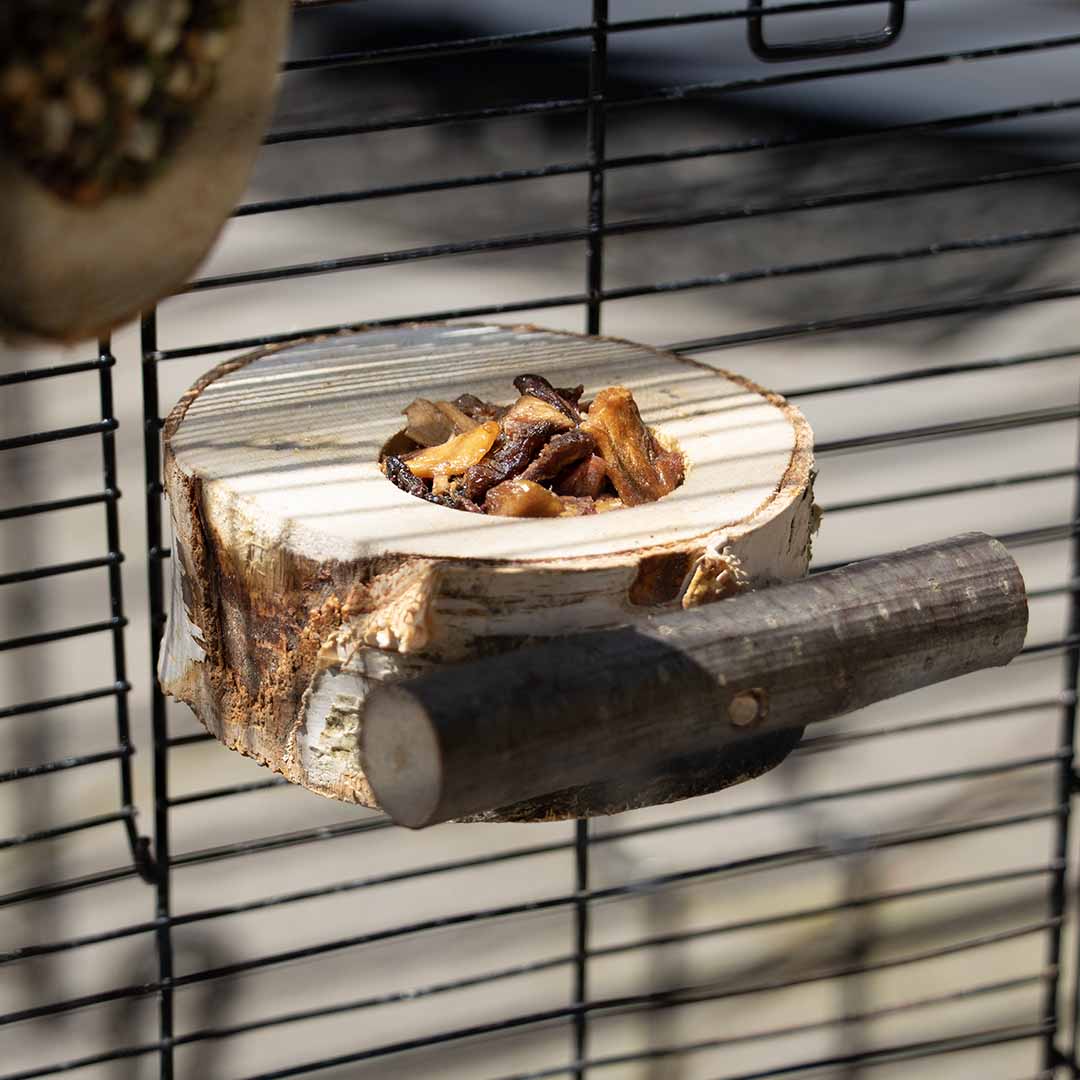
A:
{"x": 641, "y": 470}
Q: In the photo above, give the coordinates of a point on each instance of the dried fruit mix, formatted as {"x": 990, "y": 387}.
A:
{"x": 547, "y": 455}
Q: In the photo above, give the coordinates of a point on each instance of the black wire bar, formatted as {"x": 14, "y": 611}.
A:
{"x": 159, "y": 724}
{"x": 884, "y": 317}
{"x": 996, "y": 484}
{"x": 44, "y": 638}
{"x": 675, "y": 998}
{"x": 77, "y": 431}
{"x": 731, "y": 868}
{"x": 103, "y": 363}
{"x": 492, "y": 42}
{"x": 189, "y": 740}
{"x": 1044, "y": 534}
{"x": 224, "y": 792}
{"x": 655, "y": 941}
{"x": 814, "y": 139}
{"x": 13, "y": 378}
{"x": 520, "y": 241}
{"x": 63, "y": 888}
{"x": 351, "y": 828}
{"x": 950, "y": 429}
{"x": 812, "y": 744}
{"x": 126, "y": 815}
{"x": 1053, "y": 1008}
{"x": 347, "y": 829}
{"x": 661, "y": 1053}
{"x": 61, "y": 700}
{"x": 668, "y": 998}
{"x": 63, "y": 764}
{"x": 58, "y": 569}
{"x": 52, "y": 505}
{"x": 839, "y": 324}
{"x": 935, "y": 371}
{"x": 676, "y": 93}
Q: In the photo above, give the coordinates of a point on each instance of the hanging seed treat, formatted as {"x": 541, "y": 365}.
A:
{"x": 547, "y": 455}
{"x": 95, "y": 96}
{"x": 128, "y": 133}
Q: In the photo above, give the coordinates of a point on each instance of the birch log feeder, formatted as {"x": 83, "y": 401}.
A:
{"x": 303, "y": 578}
{"x": 127, "y": 134}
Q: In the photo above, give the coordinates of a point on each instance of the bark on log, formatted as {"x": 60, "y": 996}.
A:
{"x": 618, "y": 703}
{"x": 302, "y": 577}
{"x": 78, "y": 269}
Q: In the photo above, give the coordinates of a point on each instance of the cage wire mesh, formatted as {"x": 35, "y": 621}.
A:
{"x": 890, "y": 238}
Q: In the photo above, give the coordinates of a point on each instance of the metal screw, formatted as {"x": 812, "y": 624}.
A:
{"x": 749, "y": 707}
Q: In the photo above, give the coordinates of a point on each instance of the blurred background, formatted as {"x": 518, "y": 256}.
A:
{"x": 891, "y": 239}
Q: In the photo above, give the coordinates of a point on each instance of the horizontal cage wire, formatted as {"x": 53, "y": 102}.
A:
{"x": 890, "y": 238}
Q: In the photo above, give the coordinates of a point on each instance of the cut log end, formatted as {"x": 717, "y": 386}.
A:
{"x": 303, "y": 578}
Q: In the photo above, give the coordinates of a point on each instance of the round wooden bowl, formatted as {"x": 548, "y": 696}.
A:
{"x": 78, "y": 267}
{"x": 301, "y": 575}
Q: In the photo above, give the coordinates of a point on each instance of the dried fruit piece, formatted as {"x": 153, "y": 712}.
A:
{"x": 607, "y": 503}
{"x": 522, "y": 498}
{"x": 537, "y": 386}
{"x": 479, "y": 410}
{"x": 574, "y": 506}
{"x": 427, "y": 425}
{"x": 561, "y": 452}
{"x": 532, "y": 410}
{"x": 628, "y": 449}
{"x": 669, "y": 466}
{"x": 585, "y": 479}
{"x": 399, "y": 474}
{"x": 461, "y": 422}
{"x": 509, "y": 457}
{"x": 433, "y": 422}
{"x": 572, "y": 395}
{"x": 456, "y": 455}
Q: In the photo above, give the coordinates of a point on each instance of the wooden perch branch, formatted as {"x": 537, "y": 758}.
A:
{"x": 471, "y": 737}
